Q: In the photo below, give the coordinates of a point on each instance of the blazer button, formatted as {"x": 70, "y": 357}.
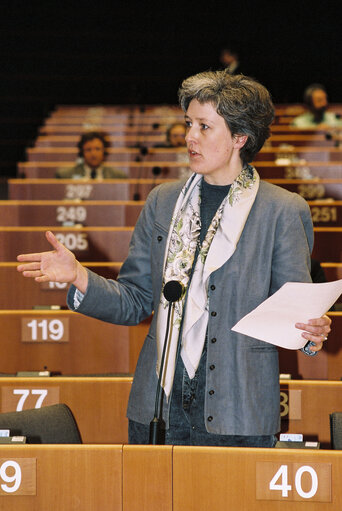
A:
{"x": 212, "y": 287}
{"x": 160, "y": 238}
{"x": 213, "y": 340}
{"x": 212, "y": 367}
{"x": 211, "y": 392}
{"x": 213, "y": 313}
{"x": 210, "y": 418}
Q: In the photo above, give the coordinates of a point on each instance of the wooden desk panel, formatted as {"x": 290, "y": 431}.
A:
{"x": 114, "y": 129}
{"x": 117, "y": 140}
{"x": 226, "y": 478}
{"x": 61, "y": 189}
{"x": 88, "y": 243}
{"x": 312, "y": 189}
{"x": 94, "y": 347}
{"x": 98, "y": 404}
{"x": 305, "y": 407}
{"x": 103, "y": 244}
{"x": 32, "y": 293}
{"x": 69, "y": 154}
{"x": 324, "y": 153}
{"x": 296, "y": 139}
{"x": 147, "y": 478}
{"x": 328, "y": 244}
{"x": 86, "y": 213}
{"x": 69, "y": 477}
{"x": 133, "y": 169}
{"x": 326, "y": 213}
{"x": 299, "y": 170}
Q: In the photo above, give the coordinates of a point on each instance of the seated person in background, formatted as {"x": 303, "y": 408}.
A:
{"x": 175, "y": 136}
{"x": 230, "y": 60}
{"x": 92, "y": 147}
{"x": 316, "y": 100}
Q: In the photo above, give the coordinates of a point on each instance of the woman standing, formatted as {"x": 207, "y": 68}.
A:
{"x": 232, "y": 241}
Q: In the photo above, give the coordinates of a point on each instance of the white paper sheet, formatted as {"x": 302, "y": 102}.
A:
{"x": 295, "y": 302}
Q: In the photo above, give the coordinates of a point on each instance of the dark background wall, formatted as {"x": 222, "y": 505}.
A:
{"x": 139, "y": 52}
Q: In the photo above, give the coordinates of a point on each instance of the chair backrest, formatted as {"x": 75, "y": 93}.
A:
{"x": 53, "y": 424}
{"x": 336, "y": 430}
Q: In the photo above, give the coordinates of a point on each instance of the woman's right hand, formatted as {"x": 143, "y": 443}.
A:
{"x": 58, "y": 265}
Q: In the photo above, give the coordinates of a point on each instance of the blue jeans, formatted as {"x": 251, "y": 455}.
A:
{"x": 186, "y": 419}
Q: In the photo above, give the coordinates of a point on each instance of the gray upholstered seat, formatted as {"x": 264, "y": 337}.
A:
{"x": 53, "y": 424}
{"x": 336, "y": 430}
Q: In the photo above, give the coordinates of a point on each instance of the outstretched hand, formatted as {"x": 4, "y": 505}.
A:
{"x": 58, "y": 265}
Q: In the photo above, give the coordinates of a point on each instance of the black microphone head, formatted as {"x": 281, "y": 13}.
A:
{"x": 143, "y": 150}
{"x": 156, "y": 170}
{"x": 173, "y": 290}
{"x": 155, "y": 125}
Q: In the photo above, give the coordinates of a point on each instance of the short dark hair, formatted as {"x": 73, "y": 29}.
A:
{"x": 244, "y": 103}
{"x": 307, "y": 97}
{"x": 170, "y": 128}
{"x": 91, "y": 135}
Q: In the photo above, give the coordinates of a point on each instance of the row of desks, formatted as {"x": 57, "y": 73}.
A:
{"x": 68, "y": 154}
{"x": 115, "y": 127}
{"x": 171, "y": 169}
{"x": 150, "y": 139}
{"x": 116, "y": 213}
{"x": 100, "y": 244}
{"x": 68, "y": 343}
{"x": 167, "y": 478}
{"x": 129, "y": 189}
{"x": 99, "y": 404}
{"x": 48, "y": 294}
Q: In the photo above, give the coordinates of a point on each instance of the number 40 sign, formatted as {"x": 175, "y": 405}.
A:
{"x": 310, "y": 482}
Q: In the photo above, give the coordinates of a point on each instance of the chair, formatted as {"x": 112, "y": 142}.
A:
{"x": 53, "y": 424}
{"x": 336, "y": 430}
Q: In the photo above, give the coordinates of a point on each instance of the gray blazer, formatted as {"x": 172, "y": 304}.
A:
{"x": 274, "y": 248}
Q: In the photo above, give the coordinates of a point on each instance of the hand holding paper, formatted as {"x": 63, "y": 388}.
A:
{"x": 274, "y": 320}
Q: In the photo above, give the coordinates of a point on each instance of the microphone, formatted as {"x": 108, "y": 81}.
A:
{"x": 143, "y": 152}
{"x": 173, "y": 291}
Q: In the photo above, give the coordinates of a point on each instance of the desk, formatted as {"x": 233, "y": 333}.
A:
{"x": 295, "y": 170}
{"x": 238, "y": 479}
{"x": 324, "y": 153}
{"x": 93, "y": 244}
{"x": 103, "y": 244}
{"x": 68, "y": 343}
{"x": 311, "y": 189}
{"x": 166, "y": 478}
{"x": 58, "y": 189}
{"x": 69, "y": 154}
{"x": 68, "y": 477}
{"x": 99, "y": 404}
{"x": 133, "y": 169}
{"x": 86, "y": 213}
{"x": 32, "y": 293}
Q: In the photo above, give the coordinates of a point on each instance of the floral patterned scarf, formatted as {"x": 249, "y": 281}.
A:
{"x": 218, "y": 246}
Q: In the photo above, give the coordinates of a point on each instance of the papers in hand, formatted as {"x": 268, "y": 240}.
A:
{"x": 274, "y": 320}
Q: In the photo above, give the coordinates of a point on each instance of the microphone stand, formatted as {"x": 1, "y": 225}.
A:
{"x": 173, "y": 291}
{"x": 157, "y": 425}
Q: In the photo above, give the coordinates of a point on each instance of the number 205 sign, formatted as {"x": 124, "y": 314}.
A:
{"x": 304, "y": 482}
